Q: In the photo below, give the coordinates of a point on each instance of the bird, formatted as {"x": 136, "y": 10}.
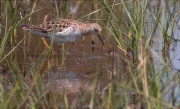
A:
{"x": 64, "y": 30}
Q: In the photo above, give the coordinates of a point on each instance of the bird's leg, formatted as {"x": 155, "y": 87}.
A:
{"x": 59, "y": 47}
{"x": 45, "y": 43}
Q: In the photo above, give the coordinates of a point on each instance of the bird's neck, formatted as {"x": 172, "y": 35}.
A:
{"x": 86, "y": 29}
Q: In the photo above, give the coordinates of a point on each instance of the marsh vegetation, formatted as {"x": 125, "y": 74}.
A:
{"x": 138, "y": 67}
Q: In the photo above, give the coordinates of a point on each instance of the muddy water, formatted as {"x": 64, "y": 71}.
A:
{"x": 81, "y": 59}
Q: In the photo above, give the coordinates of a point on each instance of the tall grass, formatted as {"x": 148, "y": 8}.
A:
{"x": 128, "y": 26}
{"x": 136, "y": 84}
{"x": 20, "y": 93}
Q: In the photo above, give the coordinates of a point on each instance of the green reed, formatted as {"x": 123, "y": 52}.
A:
{"x": 126, "y": 22}
{"x": 17, "y": 96}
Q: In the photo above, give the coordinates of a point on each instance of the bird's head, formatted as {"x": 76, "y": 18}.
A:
{"x": 96, "y": 29}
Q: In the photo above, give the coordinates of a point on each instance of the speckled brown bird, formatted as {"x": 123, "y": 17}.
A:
{"x": 64, "y": 30}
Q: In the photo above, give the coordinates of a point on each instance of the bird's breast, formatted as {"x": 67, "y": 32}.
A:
{"x": 66, "y": 36}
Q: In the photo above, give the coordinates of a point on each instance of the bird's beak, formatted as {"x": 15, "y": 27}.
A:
{"x": 100, "y": 39}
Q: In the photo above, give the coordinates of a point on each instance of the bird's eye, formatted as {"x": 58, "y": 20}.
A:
{"x": 96, "y": 30}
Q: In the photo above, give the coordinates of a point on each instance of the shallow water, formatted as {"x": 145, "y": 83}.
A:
{"x": 76, "y": 62}
{"x": 75, "y": 66}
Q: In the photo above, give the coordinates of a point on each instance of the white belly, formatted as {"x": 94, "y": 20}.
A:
{"x": 62, "y": 37}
